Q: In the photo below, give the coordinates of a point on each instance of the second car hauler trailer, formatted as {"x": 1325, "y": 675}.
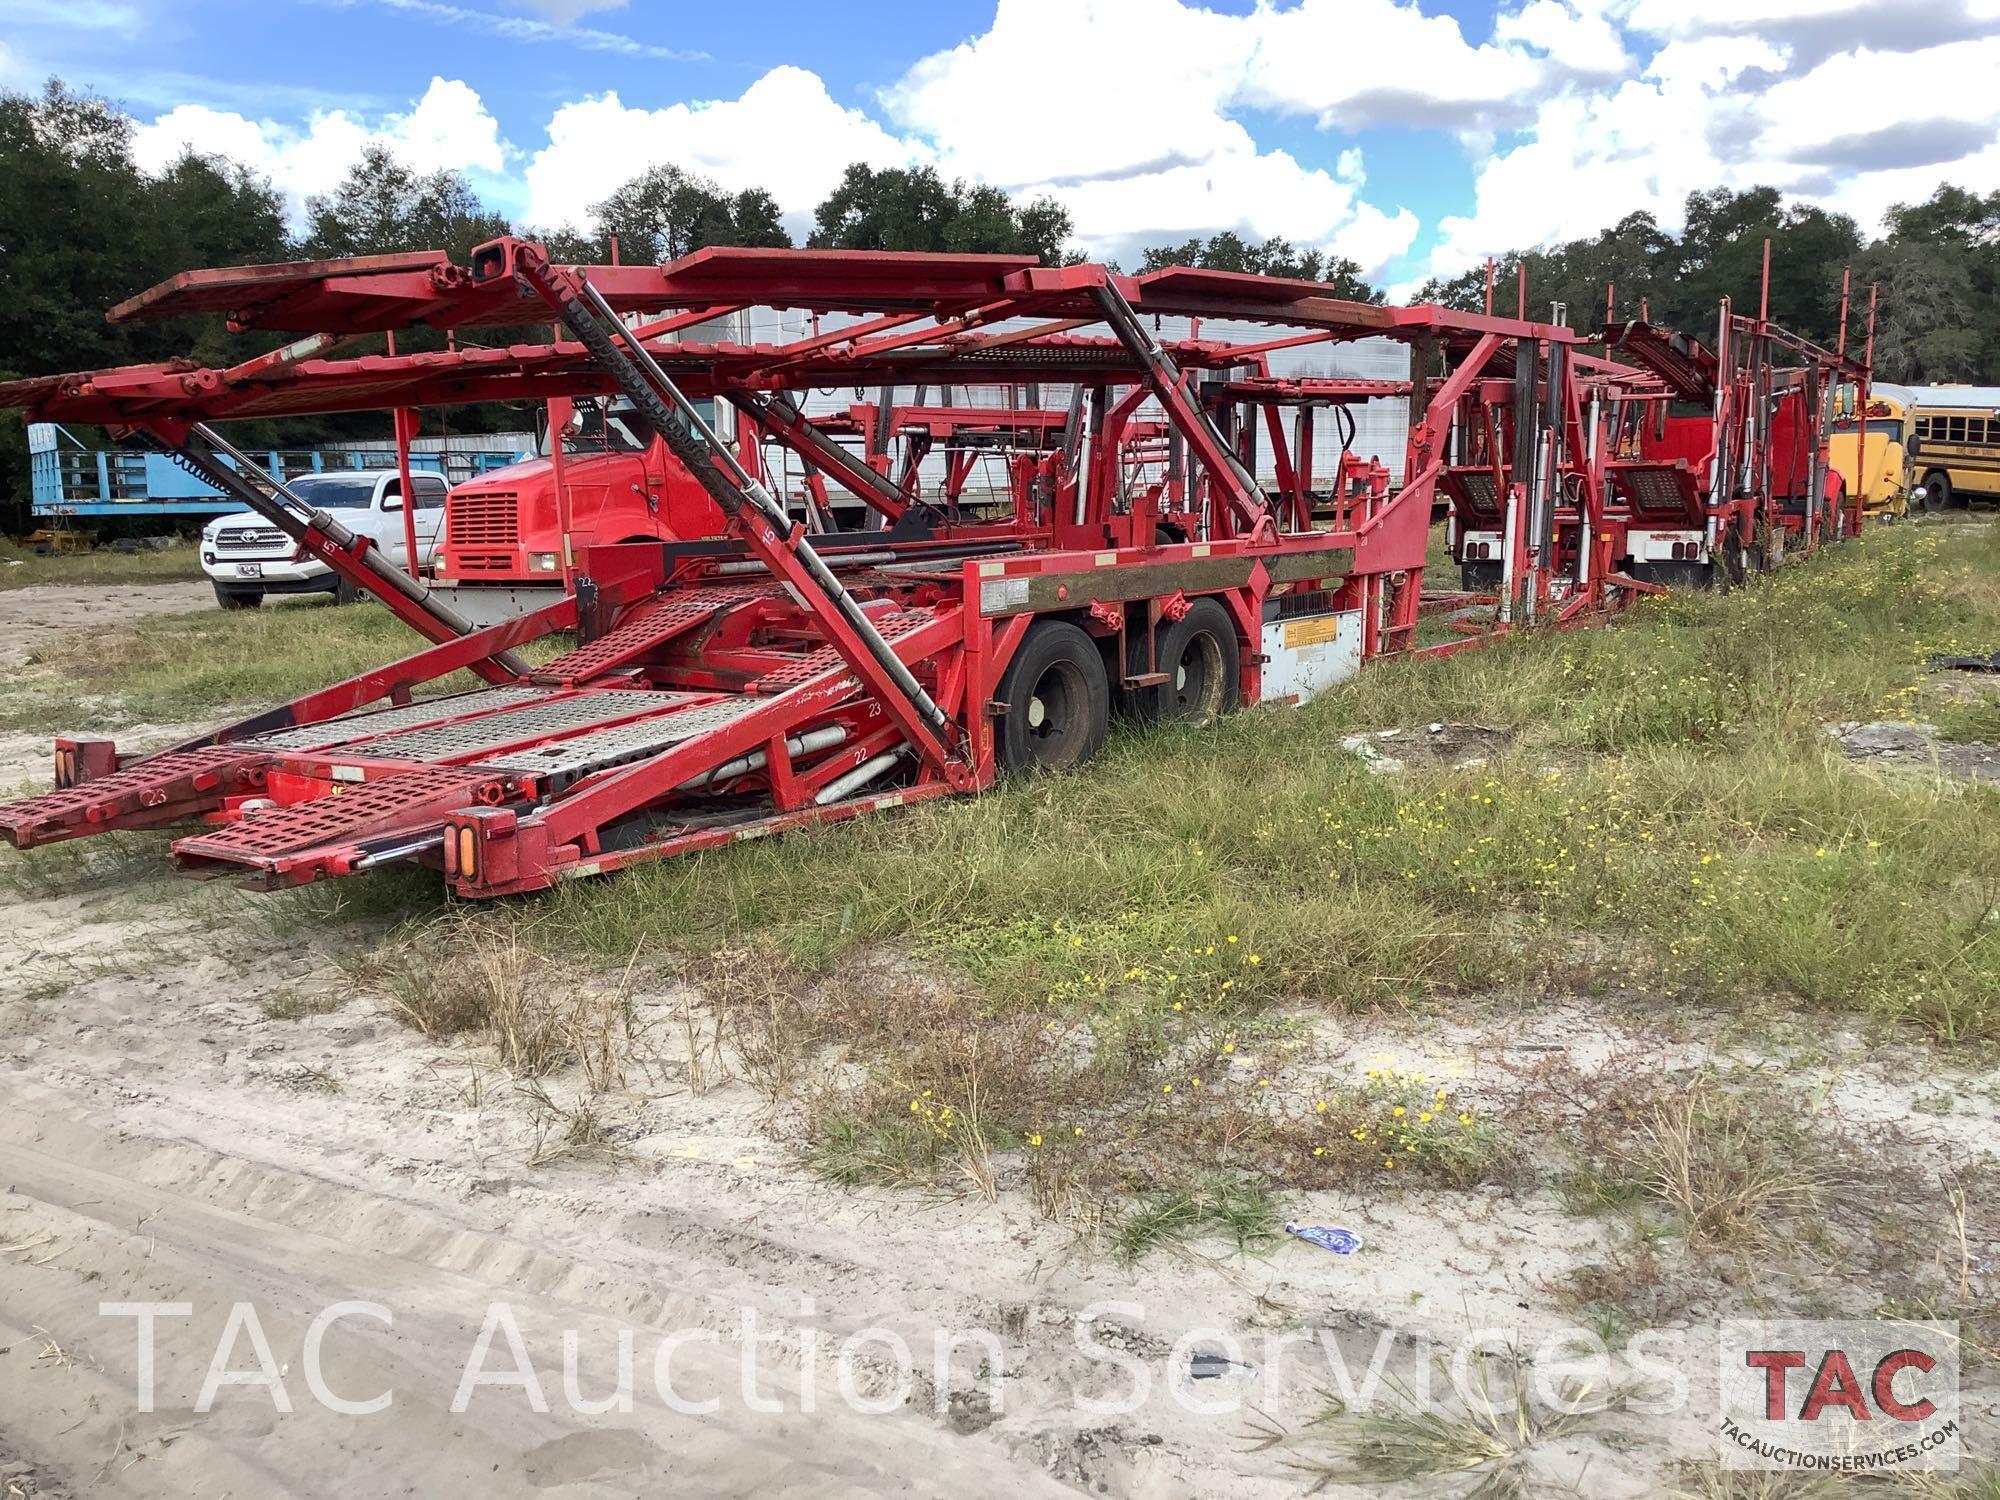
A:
{"x": 603, "y": 476}
{"x": 772, "y": 678}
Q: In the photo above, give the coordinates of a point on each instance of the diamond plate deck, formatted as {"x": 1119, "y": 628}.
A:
{"x": 625, "y": 742}
{"x": 365, "y": 725}
{"x": 673, "y": 614}
{"x": 403, "y": 803}
{"x": 1659, "y": 489}
{"x": 176, "y": 781}
{"x": 892, "y": 627}
{"x": 466, "y": 739}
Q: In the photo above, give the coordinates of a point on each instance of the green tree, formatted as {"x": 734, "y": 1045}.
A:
{"x": 912, "y": 208}
{"x": 1633, "y": 257}
{"x": 665, "y": 213}
{"x": 82, "y": 228}
{"x": 1229, "y": 251}
{"x": 383, "y": 206}
{"x": 1722, "y": 252}
{"x": 1938, "y": 270}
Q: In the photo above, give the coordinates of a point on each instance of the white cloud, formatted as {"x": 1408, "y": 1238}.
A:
{"x": 1854, "y": 131}
{"x": 1140, "y": 127}
{"x": 568, "y": 12}
{"x": 784, "y": 133}
{"x": 1155, "y": 120}
{"x": 449, "y": 128}
{"x": 1582, "y": 40}
{"x": 562, "y": 29}
{"x": 74, "y": 15}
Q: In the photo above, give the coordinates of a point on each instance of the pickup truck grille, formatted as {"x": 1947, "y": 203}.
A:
{"x": 484, "y": 518}
{"x": 249, "y": 539}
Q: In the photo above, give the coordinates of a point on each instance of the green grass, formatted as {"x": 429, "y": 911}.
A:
{"x": 20, "y": 568}
{"x": 1671, "y": 820}
{"x": 1237, "y": 1209}
{"x": 173, "y": 668}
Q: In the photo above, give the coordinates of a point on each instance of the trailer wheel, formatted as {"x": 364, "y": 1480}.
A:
{"x": 1204, "y": 668}
{"x": 237, "y": 598}
{"x": 1058, "y": 700}
{"x": 1937, "y": 491}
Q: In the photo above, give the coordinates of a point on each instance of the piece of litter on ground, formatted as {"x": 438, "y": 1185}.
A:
{"x": 1215, "y": 1366}
{"x": 1339, "y": 1241}
{"x": 1968, "y": 663}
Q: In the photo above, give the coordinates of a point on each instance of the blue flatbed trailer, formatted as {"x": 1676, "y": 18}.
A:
{"x": 70, "y": 480}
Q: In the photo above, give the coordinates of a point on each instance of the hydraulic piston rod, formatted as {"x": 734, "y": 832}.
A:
{"x": 752, "y": 510}
{"x": 366, "y": 565}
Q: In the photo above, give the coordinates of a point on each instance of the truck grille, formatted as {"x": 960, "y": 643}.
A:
{"x": 484, "y": 518}
{"x": 249, "y": 538}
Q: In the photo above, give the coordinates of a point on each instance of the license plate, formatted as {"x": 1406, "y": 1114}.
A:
{"x": 249, "y": 570}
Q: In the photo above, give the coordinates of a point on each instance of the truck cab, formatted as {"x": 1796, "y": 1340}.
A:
{"x": 624, "y": 486}
{"x": 246, "y": 557}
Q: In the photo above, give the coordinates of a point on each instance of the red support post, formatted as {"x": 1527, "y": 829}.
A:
{"x": 405, "y": 421}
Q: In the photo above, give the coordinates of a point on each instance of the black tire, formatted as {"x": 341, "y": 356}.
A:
{"x": 237, "y": 598}
{"x": 1058, "y": 700}
{"x": 344, "y": 592}
{"x": 1937, "y": 492}
{"x": 1204, "y": 665}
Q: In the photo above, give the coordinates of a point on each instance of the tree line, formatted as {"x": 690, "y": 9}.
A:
{"x": 82, "y": 227}
{"x": 1935, "y": 271}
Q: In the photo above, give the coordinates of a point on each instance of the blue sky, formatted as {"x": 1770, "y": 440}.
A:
{"x": 1414, "y": 135}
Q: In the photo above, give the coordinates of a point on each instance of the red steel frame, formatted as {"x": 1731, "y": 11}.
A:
{"x": 732, "y": 689}
{"x": 1752, "y": 472}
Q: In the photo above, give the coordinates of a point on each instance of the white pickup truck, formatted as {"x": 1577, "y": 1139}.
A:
{"x": 246, "y": 557}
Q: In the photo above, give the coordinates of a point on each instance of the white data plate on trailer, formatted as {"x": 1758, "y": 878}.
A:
{"x": 1307, "y": 654}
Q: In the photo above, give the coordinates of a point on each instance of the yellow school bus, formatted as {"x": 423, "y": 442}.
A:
{"x": 1883, "y": 480}
{"x": 1955, "y": 444}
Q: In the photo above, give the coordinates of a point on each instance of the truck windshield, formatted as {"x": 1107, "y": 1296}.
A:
{"x": 614, "y": 427}
{"x": 334, "y": 491}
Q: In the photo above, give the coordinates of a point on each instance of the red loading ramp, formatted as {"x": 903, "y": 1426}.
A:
{"x": 369, "y": 723}
{"x": 167, "y": 788}
{"x": 648, "y": 628}
{"x": 893, "y": 625}
{"x": 1662, "y": 493}
{"x": 293, "y": 845}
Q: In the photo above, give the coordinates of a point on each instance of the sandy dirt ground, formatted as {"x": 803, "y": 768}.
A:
{"x": 30, "y": 617}
{"x": 166, "y": 1135}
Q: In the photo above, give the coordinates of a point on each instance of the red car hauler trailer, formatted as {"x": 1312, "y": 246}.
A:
{"x": 603, "y": 476}
{"x": 733, "y": 688}
{"x": 1719, "y": 463}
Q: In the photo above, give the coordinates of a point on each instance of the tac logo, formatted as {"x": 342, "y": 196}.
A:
{"x": 1839, "y": 1397}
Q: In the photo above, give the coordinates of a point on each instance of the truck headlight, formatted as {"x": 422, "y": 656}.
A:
{"x": 541, "y": 562}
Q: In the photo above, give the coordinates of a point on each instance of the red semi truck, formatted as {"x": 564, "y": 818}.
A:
{"x": 504, "y": 545}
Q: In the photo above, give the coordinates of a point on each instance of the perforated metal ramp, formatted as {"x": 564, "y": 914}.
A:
{"x": 360, "y": 726}
{"x": 1474, "y": 488}
{"x": 164, "y": 789}
{"x": 472, "y": 739}
{"x": 649, "y": 626}
{"x": 1659, "y": 489}
{"x": 636, "y": 740}
{"x": 814, "y": 664}
{"x": 402, "y": 804}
